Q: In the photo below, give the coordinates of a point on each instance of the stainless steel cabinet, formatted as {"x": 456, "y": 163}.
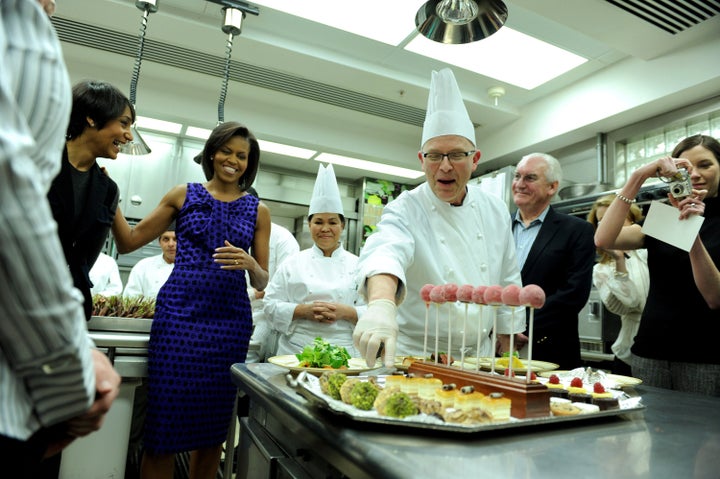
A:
{"x": 144, "y": 180}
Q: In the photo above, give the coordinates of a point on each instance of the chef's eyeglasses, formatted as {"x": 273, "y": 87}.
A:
{"x": 452, "y": 156}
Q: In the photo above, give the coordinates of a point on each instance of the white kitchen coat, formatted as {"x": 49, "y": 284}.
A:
{"x": 306, "y": 277}
{"x": 105, "y": 277}
{"x": 147, "y": 277}
{"x": 624, "y": 295}
{"x": 421, "y": 239}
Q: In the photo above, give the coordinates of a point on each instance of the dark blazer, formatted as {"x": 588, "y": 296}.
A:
{"x": 560, "y": 261}
{"x": 83, "y": 242}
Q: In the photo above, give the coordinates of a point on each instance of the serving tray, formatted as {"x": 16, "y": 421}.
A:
{"x": 308, "y": 386}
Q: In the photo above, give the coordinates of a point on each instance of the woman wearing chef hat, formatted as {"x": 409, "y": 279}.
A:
{"x": 313, "y": 293}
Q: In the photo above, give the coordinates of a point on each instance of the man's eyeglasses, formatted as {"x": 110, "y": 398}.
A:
{"x": 453, "y": 156}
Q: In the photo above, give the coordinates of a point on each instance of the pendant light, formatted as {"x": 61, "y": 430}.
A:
{"x": 138, "y": 145}
{"x": 233, "y": 13}
{"x": 460, "y": 21}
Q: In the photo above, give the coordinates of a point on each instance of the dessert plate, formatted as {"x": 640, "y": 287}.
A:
{"x": 486, "y": 365}
{"x": 621, "y": 381}
{"x": 308, "y": 387}
{"x": 291, "y": 362}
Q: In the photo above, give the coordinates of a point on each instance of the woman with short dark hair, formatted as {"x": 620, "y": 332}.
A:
{"x": 203, "y": 318}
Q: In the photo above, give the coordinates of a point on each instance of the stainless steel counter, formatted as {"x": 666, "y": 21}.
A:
{"x": 125, "y": 340}
{"x": 678, "y": 435}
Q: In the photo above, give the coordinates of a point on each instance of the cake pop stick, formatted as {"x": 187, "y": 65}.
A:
{"x": 450, "y": 294}
{"x": 493, "y": 297}
{"x": 532, "y": 296}
{"x": 478, "y": 297}
{"x": 425, "y": 295}
{"x": 438, "y": 297}
{"x": 511, "y": 297}
{"x": 464, "y": 295}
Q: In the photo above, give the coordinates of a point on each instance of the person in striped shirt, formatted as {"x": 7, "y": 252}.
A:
{"x": 54, "y": 386}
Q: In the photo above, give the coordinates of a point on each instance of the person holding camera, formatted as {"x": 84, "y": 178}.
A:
{"x": 683, "y": 303}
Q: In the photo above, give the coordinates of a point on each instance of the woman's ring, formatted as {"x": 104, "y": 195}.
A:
{"x": 692, "y": 205}
{"x": 237, "y": 262}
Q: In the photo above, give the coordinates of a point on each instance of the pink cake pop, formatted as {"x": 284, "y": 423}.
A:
{"x": 478, "y": 294}
{"x": 425, "y": 292}
{"x": 450, "y": 292}
{"x": 464, "y": 293}
{"x": 532, "y": 295}
{"x": 511, "y": 295}
{"x": 437, "y": 294}
{"x": 493, "y": 295}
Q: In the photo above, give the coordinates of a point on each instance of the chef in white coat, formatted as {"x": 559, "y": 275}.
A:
{"x": 314, "y": 292}
{"x": 443, "y": 231}
{"x": 150, "y": 274}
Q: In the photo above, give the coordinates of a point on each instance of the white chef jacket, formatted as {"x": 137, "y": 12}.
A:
{"x": 263, "y": 342}
{"x": 306, "y": 277}
{"x": 105, "y": 277}
{"x": 625, "y": 296}
{"x": 421, "y": 239}
{"x": 147, "y": 277}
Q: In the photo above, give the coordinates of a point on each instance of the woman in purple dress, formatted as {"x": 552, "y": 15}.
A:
{"x": 203, "y": 319}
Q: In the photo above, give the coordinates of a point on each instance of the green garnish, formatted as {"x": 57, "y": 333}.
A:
{"x": 322, "y": 354}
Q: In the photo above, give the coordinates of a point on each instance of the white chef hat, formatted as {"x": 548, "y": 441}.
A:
{"x": 446, "y": 113}
{"x": 326, "y": 194}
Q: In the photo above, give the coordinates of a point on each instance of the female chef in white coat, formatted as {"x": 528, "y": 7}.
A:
{"x": 314, "y": 292}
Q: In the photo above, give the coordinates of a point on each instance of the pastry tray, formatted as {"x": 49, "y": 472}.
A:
{"x": 308, "y": 386}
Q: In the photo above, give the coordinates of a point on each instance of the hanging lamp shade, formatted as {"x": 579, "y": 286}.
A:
{"x": 460, "y": 21}
{"x": 138, "y": 146}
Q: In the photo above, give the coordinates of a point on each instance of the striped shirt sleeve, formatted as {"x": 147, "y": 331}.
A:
{"x": 46, "y": 372}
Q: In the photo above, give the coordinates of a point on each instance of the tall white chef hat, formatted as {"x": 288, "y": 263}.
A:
{"x": 446, "y": 113}
{"x": 326, "y": 194}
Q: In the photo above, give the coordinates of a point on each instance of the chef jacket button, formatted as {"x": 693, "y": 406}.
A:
{"x": 442, "y": 240}
{"x": 484, "y": 267}
{"x": 485, "y": 331}
{"x": 479, "y": 236}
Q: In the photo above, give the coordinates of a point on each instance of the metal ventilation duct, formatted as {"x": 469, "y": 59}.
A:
{"x": 672, "y": 16}
{"x": 121, "y": 43}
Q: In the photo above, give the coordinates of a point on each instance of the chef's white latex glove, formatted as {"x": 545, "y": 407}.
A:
{"x": 376, "y": 327}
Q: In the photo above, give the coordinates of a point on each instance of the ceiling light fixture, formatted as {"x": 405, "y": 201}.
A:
{"x": 496, "y": 93}
{"x": 234, "y": 13}
{"x": 138, "y": 146}
{"x": 460, "y": 21}
{"x": 368, "y": 165}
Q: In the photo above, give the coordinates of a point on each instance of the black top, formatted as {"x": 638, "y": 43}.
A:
{"x": 83, "y": 235}
{"x": 677, "y": 321}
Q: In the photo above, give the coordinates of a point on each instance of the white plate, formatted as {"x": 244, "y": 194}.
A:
{"x": 290, "y": 361}
{"x": 486, "y": 364}
{"x": 621, "y": 381}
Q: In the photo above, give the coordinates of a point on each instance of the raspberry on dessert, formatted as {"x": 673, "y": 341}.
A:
{"x": 554, "y": 379}
{"x": 533, "y": 376}
{"x": 576, "y": 383}
{"x": 598, "y": 388}
{"x": 509, "y": 372}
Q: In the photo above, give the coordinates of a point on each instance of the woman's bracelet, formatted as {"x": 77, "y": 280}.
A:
{"x": 625, "y": 199}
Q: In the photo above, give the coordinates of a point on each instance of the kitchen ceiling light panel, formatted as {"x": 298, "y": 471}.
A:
{"x": 387, "y": 21}
{"x": 507, "y": 56}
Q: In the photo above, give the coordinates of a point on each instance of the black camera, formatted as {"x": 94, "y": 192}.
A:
{"x": 680, "y": 184}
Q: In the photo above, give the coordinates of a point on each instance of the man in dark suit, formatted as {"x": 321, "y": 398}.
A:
{"x": 556, "y": 252}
